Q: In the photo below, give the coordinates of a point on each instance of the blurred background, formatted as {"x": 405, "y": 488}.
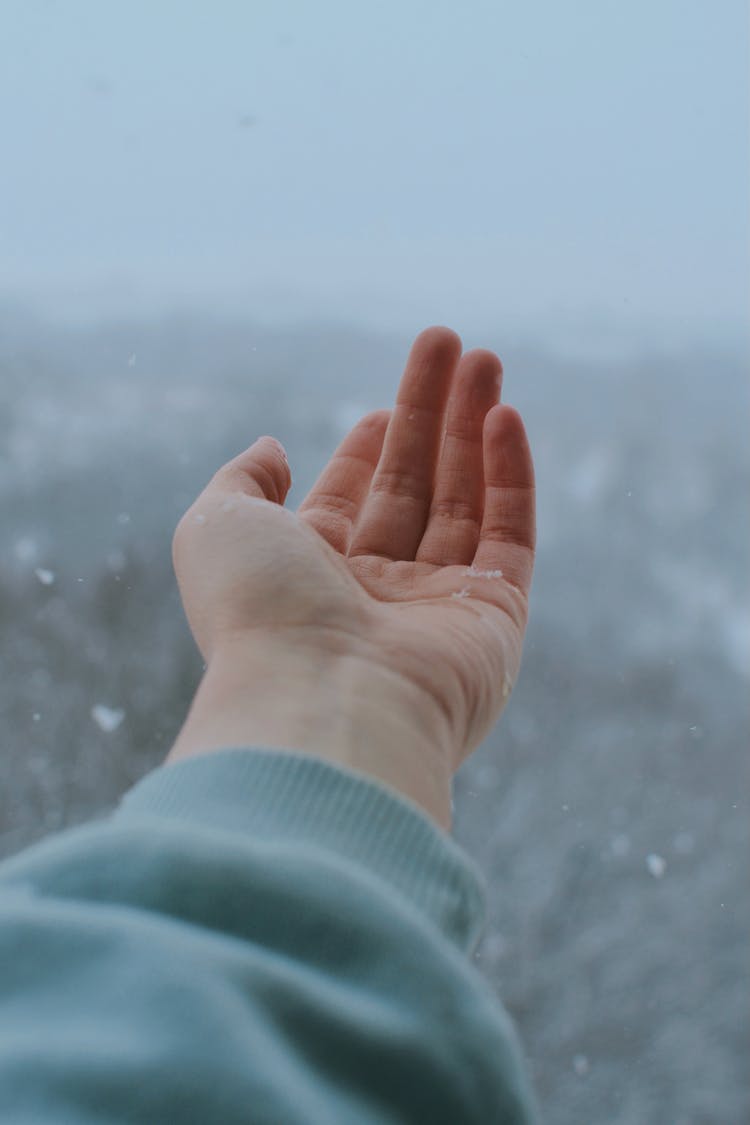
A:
{"x": 219, "y": 221}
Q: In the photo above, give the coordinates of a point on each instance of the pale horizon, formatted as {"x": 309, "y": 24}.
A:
{"x": 581, "y": 181}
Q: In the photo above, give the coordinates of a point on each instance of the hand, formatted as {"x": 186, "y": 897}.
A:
{"x": 375, "y": 563}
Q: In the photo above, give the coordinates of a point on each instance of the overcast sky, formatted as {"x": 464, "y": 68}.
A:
{"x": 536, "y": 167}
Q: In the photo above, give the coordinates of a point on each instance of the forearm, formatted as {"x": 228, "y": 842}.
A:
{"x": 342, "y": 708}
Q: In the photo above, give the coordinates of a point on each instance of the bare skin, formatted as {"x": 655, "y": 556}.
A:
{"x": 351, "y": 628}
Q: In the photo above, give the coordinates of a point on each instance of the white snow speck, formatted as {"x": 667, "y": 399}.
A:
{"x": 200, "y": 518}
{"x": 228, "y": 506}
{"x": 131, "y": 360}
{"x": 656, "y": 865}
{"x": 36, "y": 716}
{"x": 106, "y": 718}
{"x": 123, "y": 518}
{"x": 620, "y": 844}
{"x": 474, "y": 573}
{"x": 46, "y": 577}
{"x": 462, "y": 593}
{"x": 581, "y": 1065}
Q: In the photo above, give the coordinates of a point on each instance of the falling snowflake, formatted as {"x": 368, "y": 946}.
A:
{"x": 46, "y": 577}
{"x": 656, "y": 865}
{"x": 581, "y": 1065}
{"x": 106, "y": 718}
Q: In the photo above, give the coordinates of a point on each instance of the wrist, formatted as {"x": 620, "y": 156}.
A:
{"x": 277, "y": 691}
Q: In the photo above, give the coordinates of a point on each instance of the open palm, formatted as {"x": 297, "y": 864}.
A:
{"x": 413, "y": 551}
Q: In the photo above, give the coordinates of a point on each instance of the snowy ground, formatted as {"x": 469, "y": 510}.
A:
{"x": 608, "y": 809}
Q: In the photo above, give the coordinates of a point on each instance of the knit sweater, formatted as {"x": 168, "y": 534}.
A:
{"x": 251, "y": 936}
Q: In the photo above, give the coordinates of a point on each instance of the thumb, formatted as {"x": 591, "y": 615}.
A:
{"x": 262, "y": 470}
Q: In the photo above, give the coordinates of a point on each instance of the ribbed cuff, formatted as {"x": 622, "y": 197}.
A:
{"x": 293, "y": 797}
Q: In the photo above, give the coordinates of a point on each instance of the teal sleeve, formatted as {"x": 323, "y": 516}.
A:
{"x": 251, "y": 936}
